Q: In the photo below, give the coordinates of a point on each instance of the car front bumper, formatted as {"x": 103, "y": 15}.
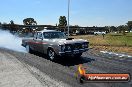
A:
{"x": 73, "y": 52}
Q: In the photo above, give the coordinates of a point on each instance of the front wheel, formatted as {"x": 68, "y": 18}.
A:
{"x": 78, "y": 55}
{"x": 51, "y": 54}
{"x": 96, "y": 34}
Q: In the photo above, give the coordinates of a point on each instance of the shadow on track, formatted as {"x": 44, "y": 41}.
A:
{"x": 68, "y": 61}
{"x": 73, "y": 61}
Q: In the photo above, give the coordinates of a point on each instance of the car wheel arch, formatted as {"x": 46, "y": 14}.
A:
{"x": 49, "y": 47}
{"x": 26, "y": 43}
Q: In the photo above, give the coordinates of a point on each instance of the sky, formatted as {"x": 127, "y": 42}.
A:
{"x": 82, "y": 12}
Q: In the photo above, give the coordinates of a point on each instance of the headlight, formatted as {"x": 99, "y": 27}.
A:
{"x": 65, "y": 48}
{"x": 83, "y": 45}
{"x": 68, "y": 48}
{"x": 86, "y": 45}
{"x": 62, "y": 48}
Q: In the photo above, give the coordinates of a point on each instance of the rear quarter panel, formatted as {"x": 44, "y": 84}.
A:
{"x": 28, "y": 41}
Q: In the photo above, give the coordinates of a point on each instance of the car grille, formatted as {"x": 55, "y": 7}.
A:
{"x": 75, "y": 46}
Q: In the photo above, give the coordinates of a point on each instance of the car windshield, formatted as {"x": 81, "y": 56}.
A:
{"x": 52, "y": 35}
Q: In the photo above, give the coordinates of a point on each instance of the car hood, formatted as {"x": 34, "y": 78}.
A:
{"x": 71, "y": 41}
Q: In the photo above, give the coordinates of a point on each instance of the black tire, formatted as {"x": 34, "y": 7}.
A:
{"x": 103, "y": 34}
{"x": 29, "y": 50}
{"x": 78, "y": 56}
{"x": 96, "y": 34}
{"x": 51, "y": 54}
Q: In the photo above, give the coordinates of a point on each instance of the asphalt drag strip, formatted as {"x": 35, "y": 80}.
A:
{"x": 64, "y": 70}
{"x": 14, "y": 73}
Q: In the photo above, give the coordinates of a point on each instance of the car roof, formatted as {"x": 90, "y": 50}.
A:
{"x": 45, "y": 30}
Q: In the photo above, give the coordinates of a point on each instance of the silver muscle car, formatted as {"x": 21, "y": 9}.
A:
{"x": 55, "y": 43}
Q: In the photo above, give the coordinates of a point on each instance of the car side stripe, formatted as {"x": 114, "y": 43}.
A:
{"x": 37, "y": 42}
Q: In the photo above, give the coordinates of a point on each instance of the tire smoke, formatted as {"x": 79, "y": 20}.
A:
{"x": 10, "y": 41}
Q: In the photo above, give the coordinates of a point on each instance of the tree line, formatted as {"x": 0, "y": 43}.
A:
{"x": 62, "y": 24}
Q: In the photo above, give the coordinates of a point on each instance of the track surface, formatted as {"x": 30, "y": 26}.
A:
{"x": 65, "y": 69}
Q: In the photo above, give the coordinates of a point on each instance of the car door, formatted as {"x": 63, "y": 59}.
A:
{"x": 32, "y": 42}
{"x": 39, "y": 42}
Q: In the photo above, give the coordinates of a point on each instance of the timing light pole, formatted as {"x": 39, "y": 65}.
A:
{"x": 68, "y": 15}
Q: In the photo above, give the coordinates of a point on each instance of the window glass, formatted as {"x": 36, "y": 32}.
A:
{"x": 35, "y": 35}
{"x": 39, "y": 36}
{"x": 51, "y": 35}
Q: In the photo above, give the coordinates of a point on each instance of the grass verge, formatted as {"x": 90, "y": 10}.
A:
{"x": 110, "y": 42}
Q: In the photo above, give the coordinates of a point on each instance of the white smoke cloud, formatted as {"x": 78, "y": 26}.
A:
{"x": 9, "y": 41}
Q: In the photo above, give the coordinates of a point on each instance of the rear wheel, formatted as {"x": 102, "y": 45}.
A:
{"x": 51, "y": 54}
{"x": 28, "y": 49}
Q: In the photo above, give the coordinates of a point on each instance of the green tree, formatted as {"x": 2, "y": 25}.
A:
{"x": 12, "y": 22}
{"x": 123, "y": 28}
{"x": 113, "y": 29}
{"x": 129, "y": 23}
{"x": 62, "y": 21}
{"x": 107, "y": 28}
{"x": 12, "y": 27}
{"x": 29, "y": 21}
